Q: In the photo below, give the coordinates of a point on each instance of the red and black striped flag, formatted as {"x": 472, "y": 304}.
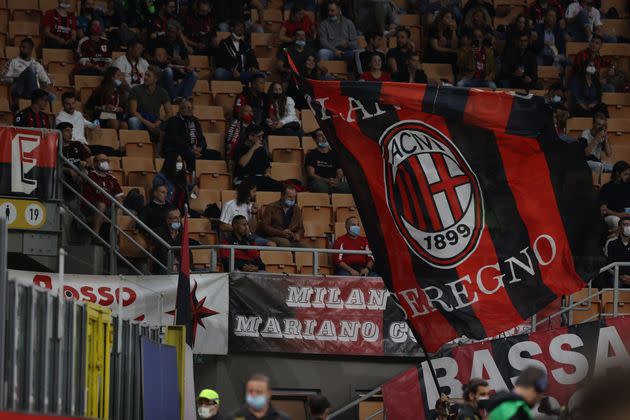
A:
{"x": 477, "y": 214}
{"x": 183, "y": 301}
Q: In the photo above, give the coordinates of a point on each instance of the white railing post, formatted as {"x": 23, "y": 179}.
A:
{"x": 616, "y": 292}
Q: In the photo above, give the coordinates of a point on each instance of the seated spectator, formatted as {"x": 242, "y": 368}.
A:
{"x": 376, "y": 15}
{"x": 282, "y": 220}
{"x": 618, "y": 250}
{"x": 478, "y": 19}
{"x": 615, "y": 79}
{"x": 108, "y": 101}
{"x": 60, "y": 27}
{"x": 313, "y": 70}
{"x": 353, "y": 264}
{"x": 74, "y": 117}
{"x": 586, "y": 92}
{"x": 322, "y": 168}
{"x": 596, "y": 145}
{"x": 476, "y": 63}
{"x": 520, "y": 27}
{"x": 555, "y": 94}
{"x": 226, "y": 12}
{"x": 337, "y": 35}
{"x": 443, "y": 43}
{"x": 158, "y": 25}
{"x": 95, "y": 54}
{"x": 560, "y": 117}
{"x": 34, "y": 116}
{"x": 184, "y": 136}
{"x": 25, "y": 73}
{"x": 145, "y": 102}
{"x": 584, "y": 21}
{"x": 171, "y": 232}
{"x": 101, "y": 176}
{"x": 614, "y": 196}
{"x": 252, "y": 161}
{"x": 538, "y": 8}
{"x": 199, "y": 29}
{"x": 174, "y": 176}
{"x": 297, "y": 50}
{"x": 473, "y": 4}
{"x": 519, "y": 69}
{"x": 236, "y": 131}
{"x": 177, "y": 79}
{"x": 282, "y": 118}
{"x": 154, "y": 213}
{"x": 90, "y": 12}
{"x": 550, "y": 46}
{"x": 76, "y": 152}
{"x": 244, "y": 259}
{"x": 298, "y": 21}
{"x": 132, "y": 64}
{"x": 256, "y": 97}
{"x": 592, "y": 55}
{"x": 397, "y": 56}
{"x": 374, "y": 43}
{"x": 235, "y": 58}
{"x": 374, "y": 73}
{"x": 412, "y": 71}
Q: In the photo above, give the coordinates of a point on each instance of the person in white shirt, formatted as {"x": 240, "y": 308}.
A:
{"x": 244, "y": 205}
{"x": 25, "y": 73}
{"x": 132, "y": 64}
{"x": 71, "y": 115}
{"x": 283, "y": 120}
{"x": 584, "y": 20}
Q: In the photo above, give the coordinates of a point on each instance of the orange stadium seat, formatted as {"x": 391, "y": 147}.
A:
{"x": 618, "y": 104}
{"x": 315, "y": 207}
{"x": 304, "y": 261}
{"x": 308, "y": 144}
{"x": 201, "y": 93}
{"x": 285, "y": 171}
{"x": 585, "y": 311}
{"x": 285, "y": 149}
{"x": 213, "y": 174}
{"x": 621, "y": 6}
{"x": 25, "y": 10}
{"x": 623, "y": 302}
{"x": 548, "y": 75}
{"x": 438, "y": 71}
{"x": 344, "y": 207}
{"x": 278, "y": 262}
{"x": 201, "y": 230}
{"x": 205, "y": 197}
{"x": 201, "y": 258}
{"x": 85, "y": 85}
{"x": 266, "y": 197}
{"x": 211, "y": 118}
{"x": 136, "y": 143}
{"x": 619, "y": 130}
{"x": 6, "y": 116}
{"x": 316, "y": 234}
{"x": 225, "y": 93}
{"x": 309, "y": 123}
{"x": 139, "y": 171}
{"x": 617, "y": 27}
{"x": 115, "y": 169}
{"x": 336, "y": 68}
{"x": 263, "y": 45}
{"x": 103, "y": 137}
{"x": 128, "y": 248}
{"x": 214, "y": 141}
{"x": 227, "y": 195}
{"x": 201, "y": 65}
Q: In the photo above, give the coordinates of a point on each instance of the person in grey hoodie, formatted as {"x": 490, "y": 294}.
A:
{"x": 337, "y": 36}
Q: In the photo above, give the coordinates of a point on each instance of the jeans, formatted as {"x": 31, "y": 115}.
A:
{"x": 135, "y": 124}
{"x": 599, "y": 166}
{"x": 328, "y": 55}
{"x": 342, "y": 272}
{"x": 320, "y": 186}
{"x": 476, "y": 83}
{"x": 26, "y": 83}
{"x": 224, "y": 74}
{"x": 182, "y": 88}
{"x": 567, "y": 139}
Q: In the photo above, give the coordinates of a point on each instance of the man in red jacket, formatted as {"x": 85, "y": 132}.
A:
{"x": 244, "y": 259}
{"x": 353, "y": 264}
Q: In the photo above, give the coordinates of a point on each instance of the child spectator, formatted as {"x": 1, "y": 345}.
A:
{"x": 108, "y": 101}
{"x": 60, "y": 27}
{"x": 71, "y": 115}
{"x": 34, "y": 116}
{"x": 25, "y": 73}
{"x": 95, "y": 54}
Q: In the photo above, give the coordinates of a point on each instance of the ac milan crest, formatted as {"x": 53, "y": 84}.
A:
{"x": 432, "y": 194}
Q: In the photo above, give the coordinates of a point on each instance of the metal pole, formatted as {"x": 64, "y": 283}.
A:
{"x": 4, "y": 277}
{"x": 616, "y": 292}
{"x": 112, "y": 240}
{"x": 355, "y": 402}
{"x": 533, "y": 321}
{"x": 231, "y": 260}
{"x": 315, "y": 262}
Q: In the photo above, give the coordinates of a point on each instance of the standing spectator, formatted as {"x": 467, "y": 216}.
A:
{"x": 76, "y": 152}
{"x": 586, "y": 92}
{"x": 538, "y": 9}
{"x": 258, "y": 401}
{"x": 247, "y": 260}
{"x": 519, "y": 69}
{"x": 168, "y": 11}
{"x": 25, "y": 73}
{"x": 184, "y": 136}
{"x": 529, "y": 389}
{"x": 255, "y": 96}
{"x": 34, "y": 116}
{"x": 174, "y": 176}
{"x": 132, "y": 64}
{"x": 108, "y": 101}
{"x": 199, "y": 29}
{"x": 74, "y": 117}
{"x": 101, "y": 176}
{"x": 318, "y": 407}
{"x": 476, "y": 63}
{"x": 237, "y": 129}
{"x": 177, "y": 79}
{"x": 282, "y": 220}
{"x": 282, "y": 118}
{"x": 337, "y": 35}
{"x": 374, "y": 43}
{"x": 614, "y": 196}
{"x": 618, "y": 251}
{"x": 397, "y": 56}
{"x": 145, "y": 102}
{"x": 322, "y": 168}
{"x": 411, "y": 72}
{"x": 252, "y": 161}
{"x": 235, "y": 59}
{"x": 153, "y": 214}
{"x": 298, "y": 21}
{"x": 171, "y": 232}
{"x": 374, "y": 73}
{"x": 550, "y": 46}
{"x": 443, "y": 42}
{"x": 60, "y": 27}
{"x": 584, "y": 21}
{"x": 208, "y": 404}
{"x": 353, "y": 264}
{"x": 474, "y": 391}
{"x": 297, "y": 50}
{"x": 95, "y": 54}
{"x": 596, "y": 145}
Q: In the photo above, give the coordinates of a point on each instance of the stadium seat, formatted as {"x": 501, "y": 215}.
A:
{"x": 272, "y": 19}
{"x": 315, "y": 207}
{"x": 620, "y": 152}
{"x": 205, "y": 197}
{"x": 621, "y": 6}
{"x": 316, "y": 234}
{"x": 225, "y": 93}
{"x": 223, "y": 35}
{"x": 340, "y": 229}
{"x": 623, "y": 302}
{"x": 278, "y": 262}
{"x": 85, "y": 85}
{"x": 309, "y": 123}
{"x": 6, "y": 116}
{"x": 576, "y": 125}
{"x": 20, "y": 30}
{"x": 61, "y": 84}
{"x": 25, "y": 10}
{"x": 213, "y": 174}
{"x": 618, "y": 104}
{"x": 136, "y": 143}
{"x": 115, "y": 169}
{"x": 304, "y": 261}
{"x": 227, "y": 195}
{"x": 266, "y": 197}
{"x": 336, "y": 68}
{"x": 58, "y": 61}
{"x": 138, "y": 171}
{"x": 438, "y": 71}
{"x": 201, "y": 230}
{"x": 285, "y": 171}
{"x": 586, "y": 311}
{"x": 211, "y": 118}
{"x": 201, "y": 65}
{"x": 103, "y": 137}
{"x": 214, "y": 141}
{"x": 285, "y": 149}
{"x": 619, "y": 131}
{"x": 308, "y": 144}
{"x": 344, "y": 207}
{"x": 201, "y": 258}
{"x": 548, "y": 75}
{"x": 263, "y": 45}
{"x": 617, "y": 27}
{"x": 126, "y": 246}
{"x": 201, "y": 93}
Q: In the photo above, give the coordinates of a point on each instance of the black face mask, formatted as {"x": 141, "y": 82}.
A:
{"x": 24, "y": 56}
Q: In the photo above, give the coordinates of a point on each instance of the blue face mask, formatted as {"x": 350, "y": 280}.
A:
{"x": 323, "y": 144}
{"x": 300, "y": 43}
{"x": 117, "y": 82}
{"x": 333, "y": 18}
{"x": 556, "y": 99}
{"x": 256, "y": 402}
{"x": 289, "y": 203}
{"x": 354, "y": 230}
{"x": 176, "y": 225}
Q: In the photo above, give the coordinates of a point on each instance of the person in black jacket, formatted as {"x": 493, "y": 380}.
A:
{"x": 244, "y": 259}
{"x": 474, "y": 391}
{"x": 153, "y": 213}
{"x": 235, "y": 59}
{"x": 411, "y": 73}
{"x": 520, "y": 67}
{"x": 171, "y": 233}
{"x": 258, "y": 402}
{"x": 184, "y": 136}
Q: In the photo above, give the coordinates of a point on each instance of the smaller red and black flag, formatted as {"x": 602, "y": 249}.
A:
{"x": 183, "y": 303}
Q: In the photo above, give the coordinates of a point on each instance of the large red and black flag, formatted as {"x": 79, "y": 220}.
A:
{"x": 477, "y": 214}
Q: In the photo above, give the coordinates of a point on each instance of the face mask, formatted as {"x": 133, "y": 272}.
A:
{"x": 206, "y": 412}
{"x": 626, "y": 230}
{"x": 323, "y": 144}
{"x": 65, "y": 6}
{"x": 289, "y": 203}
{"x": 179, "y": 166}
{"x": 591, "y": 69}
{"x": 117, "y": 82}
{"x": 300, "y": 43}
{"x": 333, "y": 18}
{"x": 556, "y": 99}
{"x": 256, "y": 402}
{"x": 24, "y": 56}
{"x": 176, "y": 225}
{"x": 247, "y": 118}
{"x": 354, "y": 230}
{"x": 103, "y": 165}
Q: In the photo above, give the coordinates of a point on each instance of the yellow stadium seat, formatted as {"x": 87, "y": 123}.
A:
{"x": 205, "y": 197}
{"x": 139, "y": 171}
{"x": 308, "y": 144}
{"x": 315, "y": 207}
{"x": 621, "y": 6}
{"x": 278, "y": 262}
{"x": 225, "y": 93}
{"x": 213, "y": 174}
{"x": 62, "y": 58}
{"x": 285, "y": 149}
{"x": 266, "y": 197}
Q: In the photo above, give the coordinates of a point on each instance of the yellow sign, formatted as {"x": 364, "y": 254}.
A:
{"x": 23, "y": 214}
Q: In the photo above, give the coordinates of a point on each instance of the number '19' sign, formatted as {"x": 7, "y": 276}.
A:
{"x": 23, "y": 214}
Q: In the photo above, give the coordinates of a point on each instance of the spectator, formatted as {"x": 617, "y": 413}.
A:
{"x": 236, "y": 131}
{"x": 297, "y": 50}
{"x": 153, "y": 213}
{"x": 529, "y": 389}
{"x": 184, "y": 136}
{"x": 596, "y": 145}
{"x": 158, "y": 26}
{"x": 353, "y": 264}
{"x": 251, "y": 160}
{"x": 171, "y": 232}
{"x": 199, "y": 29}
{"x": 25, "y": 73}
{"x": 618, "y": 250}
{"x": 34, "y": 116}
{"x": 244, "y": 259}
{"x": 177, "y": 79}
{"x": 586, "y": 92}
{"x": 254, "y": 96}
{"x": 235, "y": 59}
{"x": 322, "y": 168}
{"x": 583, "y": 21}
{"x": 615, "y": 79}
{"x": 412, "y": 71}
{"x": 282, "y": 220}
{"x": 443, "y": 42}
{"x": 374, "y": 43}
{"x": 226, "y": 11}
{"x": 145, "y": 102}
{"x": 108, "y": 101}
{"x": 76, "y": 152}
{"x": 174, "y": 176}
{"x": 614, "y": 196}
{"x": 397, "y": 56}
{"x": 282, "y": 118}
{"x": 478, "y": 19}
{"x": 472, "y": 4}
{"x": 76, "y": 118}
{"x": 89, "y": 13}
{"x": 258, "y": 401}
{"x": 474, "y": 391}
{"x": 101, "y": 176}
{"x": 298, "y": 21}
{"x": 376, "y": 15}
{"x": 550, "y": 46}
{"x": 555, "y": 94}
{"x": 374, "y": 73}
{"x": 132, "y": 64}
{"x": 520, "y": 27}
{"x": 537, "y": 10}
{"x": 95, "y": 54}
{"x": 560, "y": 117}
{"x": 208, "y": 405}
{"x": 519, "y": 69}
{"x": 476, "y": 63}
{"x": 337, "y": 35}
{"x": 60, "y": 27}
{"x": 313, "y": 70}
{"x": 318, "y": 407}
{"x": 591, "y": 55}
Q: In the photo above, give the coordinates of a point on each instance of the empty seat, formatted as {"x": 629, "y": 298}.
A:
{"x": 315, "y": 207}
{"x": 201, "y": 230}
{"x": 588, "y": 310}
{"x": 214, "y": 141}
{"x": 285, "y": 171}
{"x": 263, "y": 45}
{"x": 58, "y": 61}
{"x": 133, "y": 243}
{"x": 278, "y": 262}
{"x": 286, "y": 149}
{"x": 438, "y": 71}
{"x": 201, "y": 258}
{"x": 336, "y": 68}
{"x": 227, "y": 195}
{"x": 85, "y": 85}
{"x": 225, "y": 93}
{"x": 201, "y": 65}
{"x": 211, "y": 118}
{"x": 304, "y": 261}
{"x": 213, "y": 174}
{"x": 344, "y": 207}
{"x": 618, "y": 104}
{"x": 309, "y": 123}
{"x": 136, "y": 143}
{"x": 139, "y": 171}
{"x": 103, "y": 137}
{"x": 205, "y": 197}
{"x": 316, "y": 234}
{"x": 308, "y": 144}
{"x": 201, "y": 93}
{"x": 623, "y": 302}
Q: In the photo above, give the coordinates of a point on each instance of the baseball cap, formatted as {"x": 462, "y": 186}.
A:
{"x": 209, "y": 394}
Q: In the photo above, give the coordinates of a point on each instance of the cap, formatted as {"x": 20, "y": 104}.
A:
{"x": 209, "y": 394}
{"x": 63, "y": 125}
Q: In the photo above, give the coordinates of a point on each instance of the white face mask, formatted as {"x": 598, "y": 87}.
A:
{"x": 65, "y": 6}
{"x": 591, "y": 69}
{"x": 626, "y": 230}
{"x": 179, "y": 166}
{"x": 103, "y": 165}
{"x": 205, "y": 412}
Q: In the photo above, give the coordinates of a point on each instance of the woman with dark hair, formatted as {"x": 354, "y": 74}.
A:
{"x": 474, "y": 391}
{"x": 108, "y": 101}
{"x": 614, "y": 196}
{"x": 443, "y": 42}
{"x": 282, "y": 119}
{"x": 374, "y": 73}
{"x": 586, "y": 92}
{"x": 521, "y": 26}
{"x": 312, "y": 70}
{"x": 175, "y": 177}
